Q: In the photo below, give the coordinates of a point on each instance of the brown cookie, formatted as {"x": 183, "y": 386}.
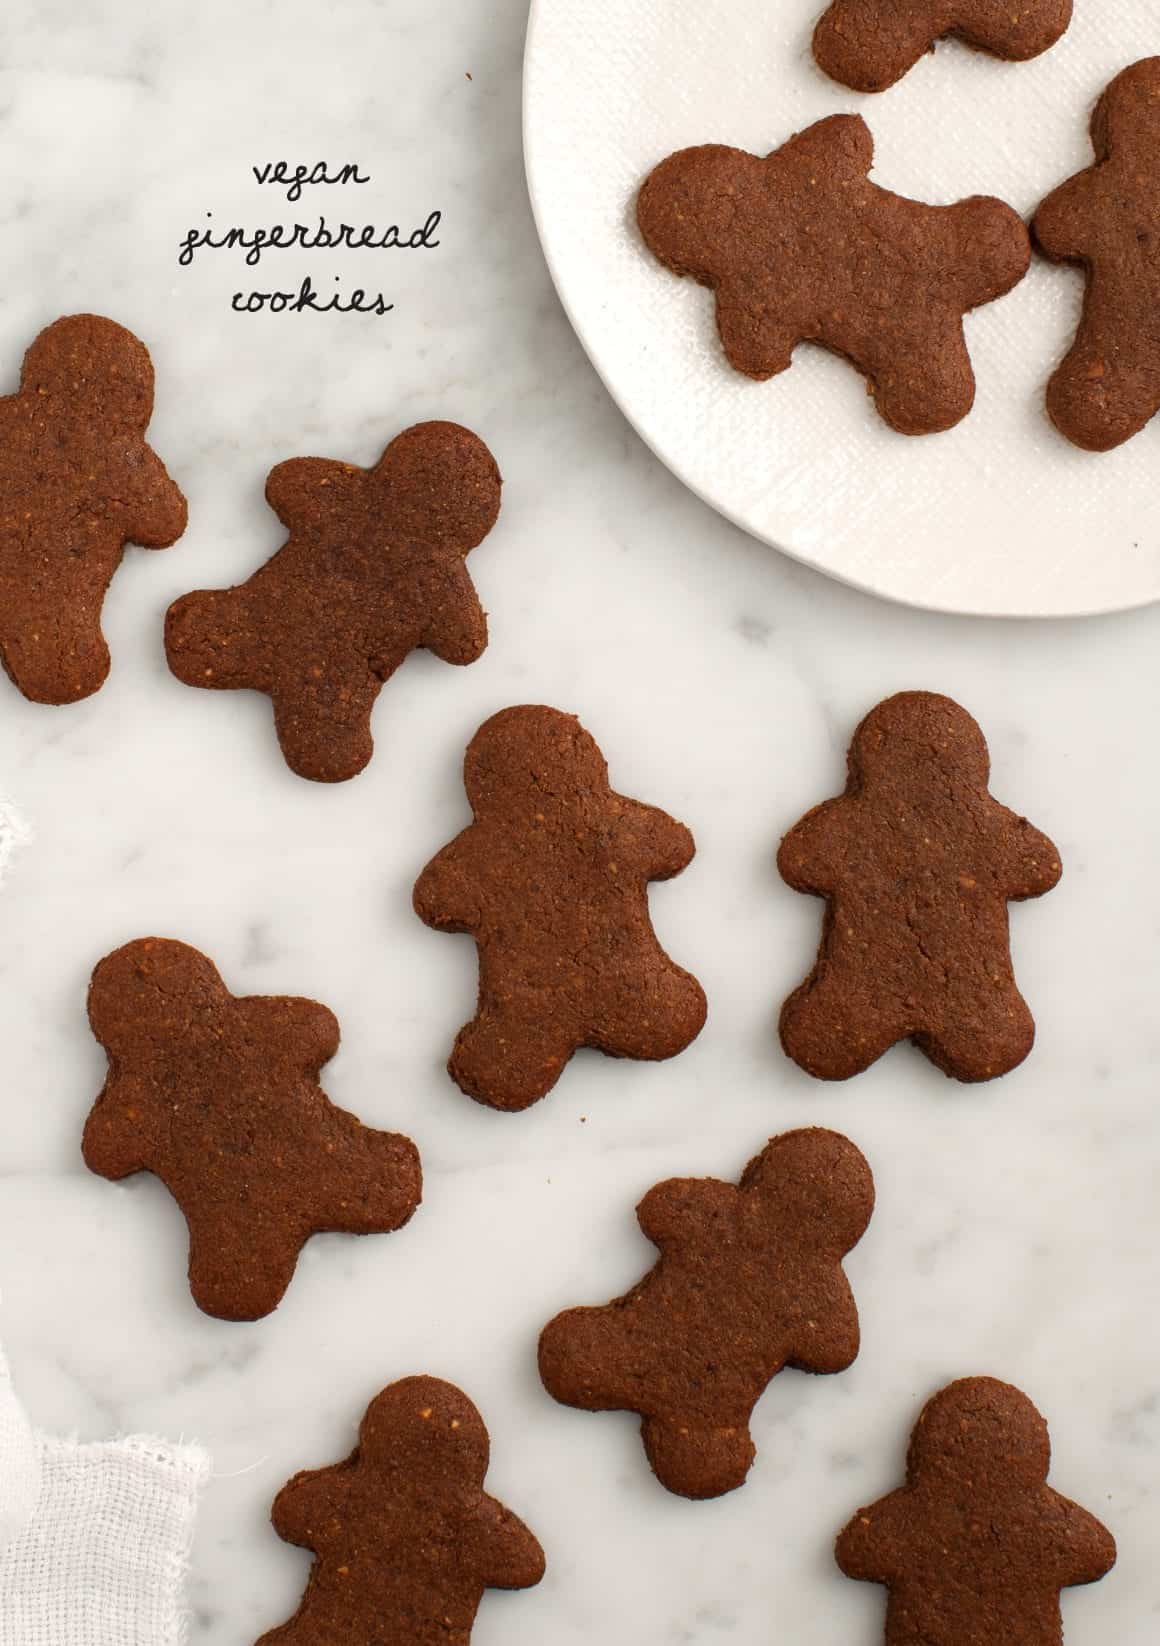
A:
{"x": 870, "y": 44}
{"x": 551, "y": 881}
{"x": 218, "y": 1095}
{"x": 916, "y": 862}
{"x": 801, "y": 247}
{"x": 77, "y": 482}
{"x": 976, "y": 1546}
{"x": 373, "y": 569}
{"x": 404, "y": 1536}
{"x": 1107, "y": 219}
{"x": 749, "y": 1281}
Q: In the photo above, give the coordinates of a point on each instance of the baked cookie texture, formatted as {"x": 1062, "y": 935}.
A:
{"x": 749, "y": 1281}
{"x": 917, "y": 862}
{"x": 551, "y": 881}
{"x": 374, "y": 568}
{"x": 1107, "y": 219}
{"x": 802, "y": 247}
{"x": 77, "y": 482}
{"x": 219, "y": 1097}
{"x": 404, "y": 1536}
{"x": 976, "y": 1546}
{"x": 870, "y": 44}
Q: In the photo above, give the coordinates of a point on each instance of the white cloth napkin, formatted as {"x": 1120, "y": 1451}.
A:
{"x": 94, "y": 1538}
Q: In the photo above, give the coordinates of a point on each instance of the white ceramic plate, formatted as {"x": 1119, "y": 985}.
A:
{"x": 999, "y": 516}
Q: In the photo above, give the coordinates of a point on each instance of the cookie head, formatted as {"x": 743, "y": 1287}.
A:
{"x": 528, "y": 760}
{"x": 150, "y": 988}
{"x": 438, "y": 485}
{"x": 920, "y": 733}
{"x": 688, "y": 207}
{"x": 87, "y": 367}
{"x": 976, "y": 1430}
{"x": 1126, "y": 122}
{"x": 815, "y": 1184}
{"x": 428, "y": 1429}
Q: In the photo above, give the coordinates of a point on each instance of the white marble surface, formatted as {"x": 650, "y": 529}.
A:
{"x": 1017, "y": 1223}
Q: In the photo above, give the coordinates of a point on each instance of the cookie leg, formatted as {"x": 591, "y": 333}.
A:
{"x": 864, "y": 49}
{"x": 696, "y": 1460}
{"x": 651, "y": 1015}
{"x": 239, "y": 1270}
{"x": 323, "y": 721}
{"x": 832, "y": 1032}
{"x": 992, "y": 1041}
{"x": 508, "y": 1062}
{"x": 1102, "y": 394}
{"x": 753, "y": 344}
{"x": 57, "y": 654}
{"x": 925, "y": 390}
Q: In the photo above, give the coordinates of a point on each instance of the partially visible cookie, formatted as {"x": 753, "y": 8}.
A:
{"x": 916, "y": 862}
{"x": 1107, "y": 219}
{"x": 374, "y": 567}
{"x": 749, "y": 1281}
{"x": 802, "y": 247}
{"x": 77, "y": 482}
{"x": 976, "y": 1546}
{"x": 551, "y": 881}
{"x": 218, "y": 1095}
{"x": 404, "y": 1536}
{"x": 870, "y": 44}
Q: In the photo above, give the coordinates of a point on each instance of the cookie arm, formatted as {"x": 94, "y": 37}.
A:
{"x": 310, "y": 1506}
{"x": 657, "y": 842}
{"x": 828, "y": 1337}
{"x": 873, "y": 1546}
{"x": 454, "y": 625}
{"x": 446, "y": 895}
{"x": 686, "y": 1208}
{"x": 115, "y": 1142}
{"x": 156, "y": 511}
{"x": 1084, "y": 1549}
{"x": 1030, "y": 860}
{"x": 808, "y": 856}
{"x": 302, "y": 488}
{"x": 510, "y": 1557}
{"x": 1063, "y": 225}
{"x": 305, "y": 1030}
{"x": 840, "y": 146}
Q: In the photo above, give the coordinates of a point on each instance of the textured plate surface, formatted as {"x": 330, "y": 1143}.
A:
{"x": 998, "y": 516}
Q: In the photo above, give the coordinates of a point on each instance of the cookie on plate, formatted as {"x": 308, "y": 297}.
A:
{"x": 869, "y": 46}
{"x": 1107, "y": 219}
{"x": 800, "y": 246}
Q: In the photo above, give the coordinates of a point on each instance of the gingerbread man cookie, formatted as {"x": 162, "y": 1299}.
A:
{"x": 77, "y": 482}
{"x": 802, "y": 247}
{"x": 976, "y": 1546}
{"x": 373, "y": 569}
{"x": 749, "y": 1281}
{"x": 917, "y": 863}
{"x": 218, "y": 1095}
{"x": 551, "y": 881}
{"x": 404, "y": 1536}
{"x": 871, "y": 44}
{"x": 1107, "y": 219}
